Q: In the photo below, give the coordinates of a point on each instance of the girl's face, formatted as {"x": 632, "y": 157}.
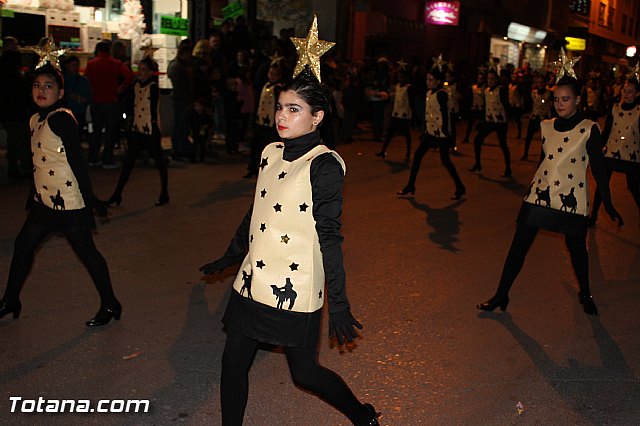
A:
{"x": 144, "y": 72}
{"x": 294, "y": 117}
{"x": 565, "y": 102}
{"x": 432, "y": 82}
{"x": 492, "y": 80}
{"x": 629, "y": 93}
{"x": 45, "y": 91}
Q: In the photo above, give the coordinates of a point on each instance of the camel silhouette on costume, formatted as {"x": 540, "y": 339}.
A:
{"x": 246, "y": 285}
{"x": 569, "y": 202}
{"x": 285, "y": 293}
{"x": 543, "y": 196}
{"x": 58, "y": 201}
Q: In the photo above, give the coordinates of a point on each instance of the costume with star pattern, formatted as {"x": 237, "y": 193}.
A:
{"x": 542, "y": 100}
{"x": 496, "y": 102}
{"x": 622, "y": 151}
{"x": 400, "y": 121}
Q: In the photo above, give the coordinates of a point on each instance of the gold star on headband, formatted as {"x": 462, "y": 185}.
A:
{"x": 438, "y": 62}
{"x": 275, "y": 58}
{"x": 148, "y": 51}
{"x": 567, "y": 66}
{"x": 49, "y": 53}
{"x": 310, "y": 49}
{"x": 402, "y": 65}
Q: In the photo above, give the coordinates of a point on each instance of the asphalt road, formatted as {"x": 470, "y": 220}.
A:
{"x": 416, "y": 269}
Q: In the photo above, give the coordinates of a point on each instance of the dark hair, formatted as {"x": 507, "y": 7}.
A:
{"x": 311, "y": 91}
{"x": 435, "y": 72}
{"x": 570, "y": 82}
{"x": 103, "y": 47}
{"x": 633, "y": 82}
{"x": 50, "y": 70}
{"x": 150, "y": 63}
{"x": 70, "y": 58}
{"x": 493, "y": 71}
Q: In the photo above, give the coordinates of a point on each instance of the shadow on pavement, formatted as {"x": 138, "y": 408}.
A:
{"x": 445, "y": 223}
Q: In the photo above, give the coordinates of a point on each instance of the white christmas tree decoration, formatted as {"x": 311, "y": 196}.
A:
{"x": 132, "y": 27}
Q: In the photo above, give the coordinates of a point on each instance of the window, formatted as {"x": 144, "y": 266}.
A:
{"x": 580, "y": 6}
{"x": 610, "y": 16}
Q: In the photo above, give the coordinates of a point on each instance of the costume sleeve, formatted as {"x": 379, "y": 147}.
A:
{"x": 64, "y": 125}
{"x": 598, "y": 165}
{"x": 239, "y": 245}
{"x": 504, "y": 98}
{"x": 155, "y": 99}
{"x": 327, "y": 178}
{"x": 607, "y": 128}
{"x": 443, "y": 101}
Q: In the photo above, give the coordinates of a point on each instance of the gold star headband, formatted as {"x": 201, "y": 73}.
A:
{"x": 438, "y": 62}
{"x": 310, "y": 49}
{"x": 402, "y": 65}
{"x": 566, "y": 66}
{"x": 49, "y": 53}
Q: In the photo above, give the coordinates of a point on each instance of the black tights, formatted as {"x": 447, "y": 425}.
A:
{"x": 522, "y": 241}
{"x": 632, "y": 173}
{"x": 138, "y": 142}
{"x": 501, "y": 130}
{"x": 532, "y": 128}
{"x": 306, "y": 373}
{"x": 443, "y": 146}
{"x": 402, "y": 126}
{"x": 29, "y": 239}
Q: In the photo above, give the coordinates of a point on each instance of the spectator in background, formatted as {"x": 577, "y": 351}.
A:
{"x": 202, "y": 69}
{"x": 78, "y": 90}
{"x": 109, "y": 78}
{"x": 180, "y": 71}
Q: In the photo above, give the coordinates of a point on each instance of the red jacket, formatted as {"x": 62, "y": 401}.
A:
{"x": 108, "y": 77}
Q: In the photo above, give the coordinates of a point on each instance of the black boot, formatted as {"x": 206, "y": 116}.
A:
{"x": 10, "y": 308}
{"x": 493, "y": 303}
{"x": 105, "y": 315}
{"x": 588, "y": 305}
{"x": 374, "y": 416}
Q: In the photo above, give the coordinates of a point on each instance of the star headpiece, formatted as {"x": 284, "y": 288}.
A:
{"x": 49, "y": 53}
{"x": 635, "y": 73}
{"x": 310, "y": 49}
{"x": 492, "y": 63}
{"x": 566, "y": 66}
{"x": 275, "y": 58}
{"x": 402, "y": 65}
{"x": 438, "y": 62}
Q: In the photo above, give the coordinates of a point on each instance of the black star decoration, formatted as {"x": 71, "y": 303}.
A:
{"x": 303, "y": 207}
{"x": 559, "y": 149}
{"x": 556, "y": 183}
{"x": 539, "y": 181}
{"x": 285, "y": 239}
{"x": 277, "y": 207}
{"x": 61, "y": 149}
{"x": 263, "y": 192}
{"x": 260, "y": 264}
{"x": 546, "y": 172}
{"x": 39, "y": 144}
{"x": 570, "y": 175}
{"x": 544, "y": 140}
{"x": 44, "y": 159}
{"x": 146, "y": 129}
{"x": 583, "y": 130}
{"x": 45, "y": 187}
{"x": 282, "y": 175}
{"x": 550, "y": 156}
{"x": 573, "y": 161}
{"x": 566, "y": 139}
{"x": 294, "y": 266}
{"x": 51, "y": 173}
{"x": 251, "y": 238}
{"x": 263, "y": 227}
{"x": 263, "y": 163}
{"x": 320, "y": 294}
{"x": 581, "y": 184}
{"x": 584, "y": 158}
{"x": 68, "y": 183}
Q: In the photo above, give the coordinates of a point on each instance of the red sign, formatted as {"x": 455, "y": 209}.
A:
{"x": 442, "y": 12}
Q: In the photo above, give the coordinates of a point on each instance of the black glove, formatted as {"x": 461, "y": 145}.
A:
{"x": 613, "y": 213}
{"x": 341, "y": 326}
{"x": 99, "y": 206}
{"x": 217, "y": 265}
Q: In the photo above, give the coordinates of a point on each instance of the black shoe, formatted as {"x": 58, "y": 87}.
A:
{"x": 588, "y": 305}
{"x": 382, "y": 155}
{"x": 114, "y": 199}
{"x": 164, "y": 199}
{"x": 493, "y": 303}
{"x": 10, "y": 308}
{"x": 406, "y": 192}
{"x": 374, "y": 415}
{"x": 476, "y": 168}
{"x": 105, "y": 315}
{"x": 592, "y": 221}
{"x": 459, "y": 193}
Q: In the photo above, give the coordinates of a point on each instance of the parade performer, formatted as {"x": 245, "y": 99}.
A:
{"x": 476, "y": 112}
{"x": 292, "y": 235}
{"x": 437, "y": 134}
{"x": 558, "y": 198}
{"x": 540, "y": 110}
{"x": 622, "y": 152}
{"x": 400, "y": 115}
{"x": 145, "y": 132}
{"x": 61, "y": 198}
{"x": 496, "y": 104}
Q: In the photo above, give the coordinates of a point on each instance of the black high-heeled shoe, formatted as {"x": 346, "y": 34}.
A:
{"x": 588, "y": 305}
{"x": 406, "y": 192}
{"x": 164, "y": 199}
{"x": 494, "y": 302}
{"x": 105, "y": 315}
{"x": 506, "y": 174}
{"x": 476, "y": 168}
{"x": 459, "y": 193}
{"x": 114, "y": 199}
{"x": 10, "y": 308}
{"x": 374, "y": 415}
{"x": 382, "y": 155}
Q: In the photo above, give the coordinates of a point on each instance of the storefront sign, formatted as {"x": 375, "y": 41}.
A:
{"x": 232, "y": 10}
{"x": 442, "y": 12}
{"x": 524, "y": 33}
{"x": 575, "y": 44}
{"x": 174, "y": 26}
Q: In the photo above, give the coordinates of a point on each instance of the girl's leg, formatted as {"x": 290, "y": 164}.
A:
{"x": 502, "y": 138}
{"x": 155, "y": 148}
{"x": 577, "y": 246}
{"x": 234, "y": 384}
{"x": 522, "y": 241}
{"x": 484, "y": 131}
{"x": 448, "y": 164}
{"x": 308, "y": 374}
{"x": 133, "y": 151}
{"x": 417, "y": 161}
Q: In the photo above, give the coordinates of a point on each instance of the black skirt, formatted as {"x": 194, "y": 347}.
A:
{"x": 61, "y": 220}
{"x": 552, "y": 220}
{"x": 270, "y": 325}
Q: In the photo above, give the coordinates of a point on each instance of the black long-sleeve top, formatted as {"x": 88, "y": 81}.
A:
{"x": 327, "y": 178}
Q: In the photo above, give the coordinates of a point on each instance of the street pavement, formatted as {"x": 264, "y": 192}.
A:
{"x": 416, "y": 269}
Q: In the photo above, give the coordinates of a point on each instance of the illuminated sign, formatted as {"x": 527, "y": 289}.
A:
{"x": 174, "y": 26}
{"x": 232, "y": 10}
{"x": 575, "y": 43}
{"x": 631, "y": 51}
{"x": 442, "y": 12}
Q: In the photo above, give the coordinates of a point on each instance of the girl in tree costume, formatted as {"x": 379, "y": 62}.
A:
{"x": 292, "y": 236}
